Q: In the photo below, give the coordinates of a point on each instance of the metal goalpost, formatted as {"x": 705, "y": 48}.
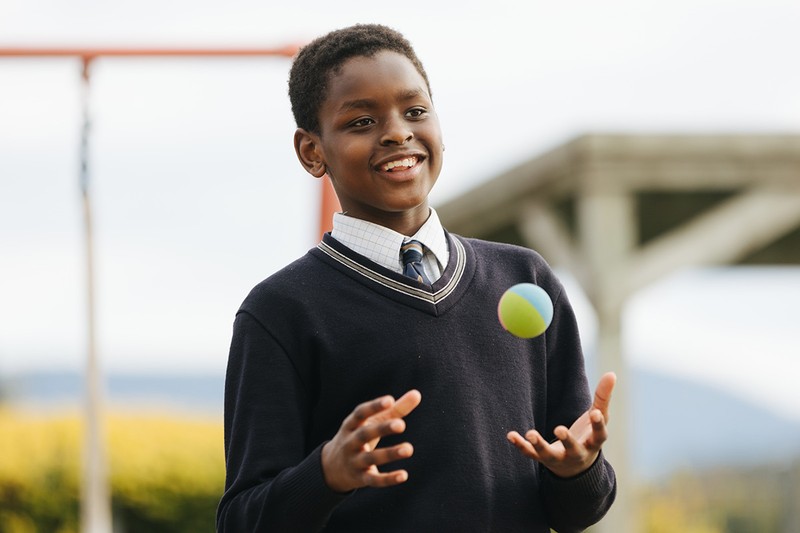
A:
{"x": 95, "y": 513}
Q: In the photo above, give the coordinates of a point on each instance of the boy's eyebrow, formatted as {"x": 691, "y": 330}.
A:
{"x": 361, "y": 103}
{"x": 368, "y": 103}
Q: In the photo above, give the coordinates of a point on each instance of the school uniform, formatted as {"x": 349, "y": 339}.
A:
{"x": 339, "y": 327}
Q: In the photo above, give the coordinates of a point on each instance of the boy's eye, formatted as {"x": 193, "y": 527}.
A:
{"x": 360, "y": 123}
{"x": 416, "y": 112}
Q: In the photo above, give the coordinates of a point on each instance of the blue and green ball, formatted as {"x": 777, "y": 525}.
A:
{"x": 525, "y": 310}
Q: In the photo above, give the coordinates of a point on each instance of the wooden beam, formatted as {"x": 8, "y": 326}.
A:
{"x": 545, "y": 232}
{"x": 496, "y": 203}
{"x": 723, "y": 235}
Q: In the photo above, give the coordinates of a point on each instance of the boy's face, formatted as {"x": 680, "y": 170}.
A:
{"x": 380, "y": 141}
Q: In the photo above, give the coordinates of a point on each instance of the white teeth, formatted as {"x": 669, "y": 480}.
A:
{"x": 407, "y": 162}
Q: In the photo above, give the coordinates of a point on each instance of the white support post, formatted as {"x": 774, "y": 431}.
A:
{"x": 95, "y": 496}
{"x": 607, "y": 233}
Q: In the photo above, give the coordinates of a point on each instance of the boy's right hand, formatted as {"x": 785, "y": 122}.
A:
{"x": 350, "y": 460}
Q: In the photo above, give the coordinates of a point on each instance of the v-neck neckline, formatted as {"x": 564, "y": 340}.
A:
{"x": 434, "y": 299}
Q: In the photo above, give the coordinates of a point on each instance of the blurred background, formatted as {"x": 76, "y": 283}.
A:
{"x": 192, "y": 168}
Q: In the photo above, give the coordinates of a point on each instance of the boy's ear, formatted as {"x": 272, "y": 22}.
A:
{"x": 307, "y": 148}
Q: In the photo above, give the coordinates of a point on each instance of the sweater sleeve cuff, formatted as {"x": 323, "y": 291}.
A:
{"x": 597, "y": 481}
{"x": 306, "y": 487}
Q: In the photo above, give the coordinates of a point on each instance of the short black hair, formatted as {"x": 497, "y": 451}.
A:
{"x": 322, "y": 58}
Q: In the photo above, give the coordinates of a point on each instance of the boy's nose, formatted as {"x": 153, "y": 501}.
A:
{"x": 396, "y": 132}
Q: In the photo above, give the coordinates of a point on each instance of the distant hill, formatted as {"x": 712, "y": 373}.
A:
{"x": 675, "y": 423}
{"x": 200, "y": 393}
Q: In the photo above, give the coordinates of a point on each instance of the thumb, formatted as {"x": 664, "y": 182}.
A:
{"x": 602, "y": 395}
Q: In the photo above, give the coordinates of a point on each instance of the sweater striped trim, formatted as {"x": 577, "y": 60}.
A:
{"x": 419, "y": 294}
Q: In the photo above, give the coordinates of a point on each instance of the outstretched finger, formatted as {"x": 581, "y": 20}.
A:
{"x": 602, "y": 395}
{"x": 599, "y": 430}
{"x": 566, "y": 438}
{"x": 368, "y": 433}
{"x": 366, "y": 410}
{"x": 522, "y": 445}
{"x": 374, "y": 478}
{"x": 406, "y": 403}
{"x": 398, "y": 409}
{"x": 382, "y": 456}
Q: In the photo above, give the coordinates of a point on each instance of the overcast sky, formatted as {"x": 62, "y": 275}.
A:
{"x": 198, "y": 194}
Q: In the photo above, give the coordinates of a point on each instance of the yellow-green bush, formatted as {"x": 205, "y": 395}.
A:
{"x": 166, "y": 472}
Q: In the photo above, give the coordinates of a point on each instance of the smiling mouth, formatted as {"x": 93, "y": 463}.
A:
{"x": 400, "y": 164}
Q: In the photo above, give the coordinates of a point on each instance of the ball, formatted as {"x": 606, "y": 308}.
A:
{"x": 525, "y": 310}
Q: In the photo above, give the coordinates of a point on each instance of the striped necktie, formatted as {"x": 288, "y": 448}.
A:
{"x": 412, "y": 261}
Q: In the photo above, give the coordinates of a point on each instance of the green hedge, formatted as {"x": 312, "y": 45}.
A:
{"x": 166, "y": 472}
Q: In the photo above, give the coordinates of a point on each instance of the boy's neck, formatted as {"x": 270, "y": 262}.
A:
{"x": 406, "y": 223}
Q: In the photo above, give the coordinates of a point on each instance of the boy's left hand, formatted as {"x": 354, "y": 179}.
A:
{"x": 577, "y": 448}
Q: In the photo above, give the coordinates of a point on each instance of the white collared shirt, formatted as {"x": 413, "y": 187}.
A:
{"x": 382, "y": 245}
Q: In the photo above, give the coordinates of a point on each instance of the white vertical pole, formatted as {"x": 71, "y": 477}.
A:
{"x": 95, "y": 497}
{"x": 608, "y": 235}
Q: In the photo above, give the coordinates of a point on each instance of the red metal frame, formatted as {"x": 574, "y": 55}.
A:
{"x": 329, "y": 203}
{"x": 92, "y": 53}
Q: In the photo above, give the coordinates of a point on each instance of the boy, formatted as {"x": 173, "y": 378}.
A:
{"x": 322, "y": 348}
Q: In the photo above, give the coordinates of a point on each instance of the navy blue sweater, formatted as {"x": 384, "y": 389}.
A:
{"x": 333, "y": 329}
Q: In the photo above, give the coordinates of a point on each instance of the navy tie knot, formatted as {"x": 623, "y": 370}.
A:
{"x": 412, "y": 261}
